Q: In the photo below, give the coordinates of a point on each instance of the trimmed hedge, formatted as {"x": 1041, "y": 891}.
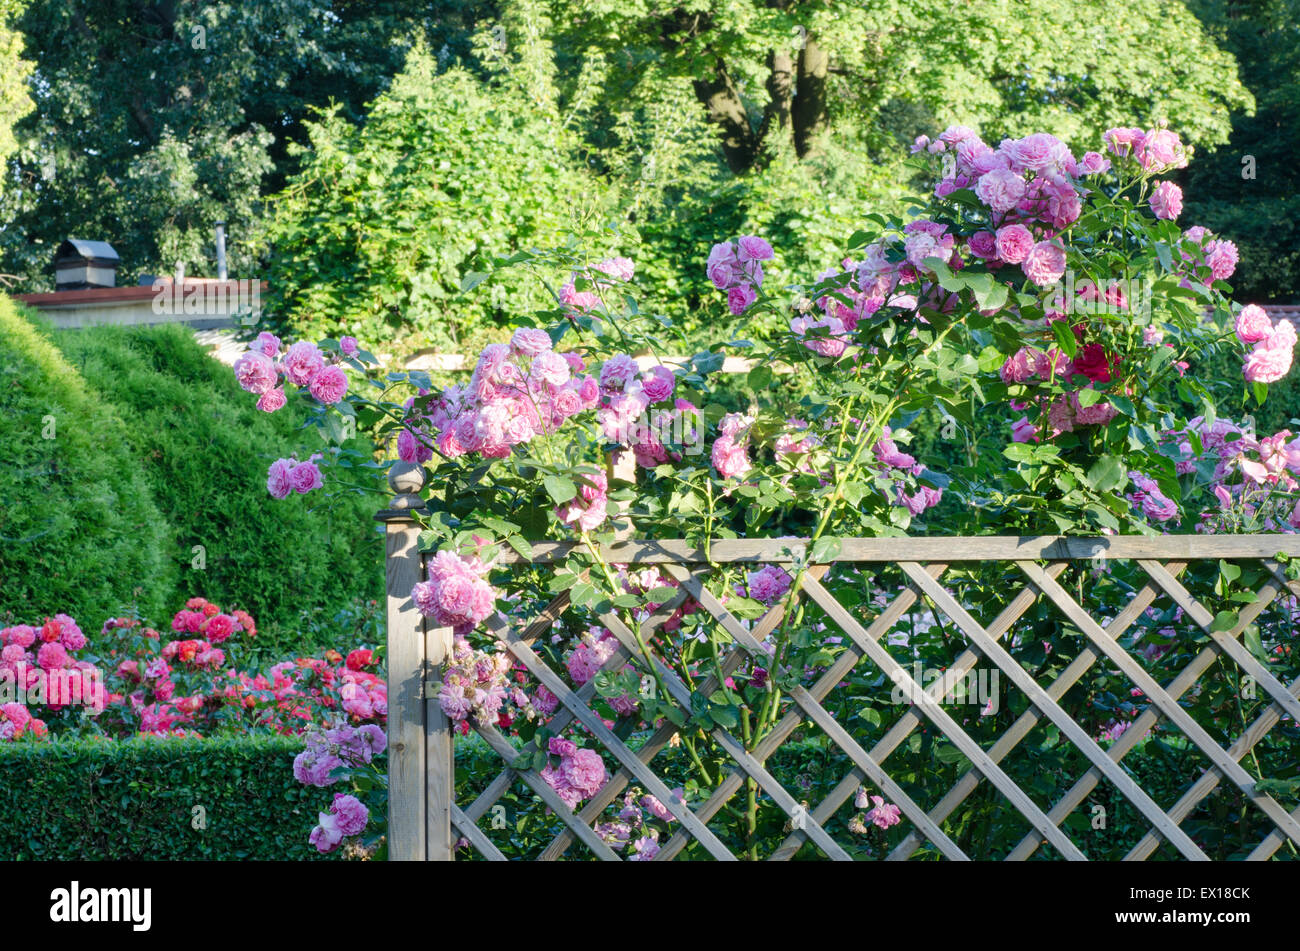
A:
{"x": 135, "y": 799}
{"x": 79, "y": 529}
{"x": 204, "y": 448}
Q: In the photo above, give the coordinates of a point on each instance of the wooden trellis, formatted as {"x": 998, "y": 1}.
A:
{"x": 425, "y": 820}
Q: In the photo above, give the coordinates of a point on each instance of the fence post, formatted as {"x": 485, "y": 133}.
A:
{"x": 407, "y": 669}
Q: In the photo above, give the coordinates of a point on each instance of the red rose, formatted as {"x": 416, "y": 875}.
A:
{"x": 1095, "y": 363}
{"x": 360, "y": 659}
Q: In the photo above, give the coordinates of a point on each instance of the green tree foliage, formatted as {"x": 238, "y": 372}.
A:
{"x": 783, "y": 70}
{"x": 1249, "y": 189}
{"x": 155, "y": 120}
{"x": 14, "y": 70}
{"x": 372, "y": 237}
{"x": 80, "y": 531}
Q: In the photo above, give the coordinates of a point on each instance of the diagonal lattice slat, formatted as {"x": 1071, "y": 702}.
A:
{"x": 1167, "y": 705}
{"x": 596, "y": 726}
{"x": 791, "y": 721}
{"x": 743, "y": 759}
{"x": 1041, "y": 561}
{"x": 814, "y": 711}
{"x": 1026, "y": 722}
{"x": 911, "y": 719}
{"x": 1040, "y": 698}
{"x": 665, "y": 733}
{"x": 1144, "y": 723}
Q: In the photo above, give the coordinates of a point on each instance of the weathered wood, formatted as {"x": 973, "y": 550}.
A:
{"x": 584, "y": 715}
{"x": 663, "y": 736}
{"x": 936, "y": 548}
{"x": 429, "y": 752}
{"x": 1228, "y": 645}
{"x": 470, "y": 830}
{"x": 407, "y": 669}
{"x": 1041, "y": 699}
{"x": 440, "y": 753}
{"x": 737, "y": 752}
{"x": 814, "y": 710}
{"x": 1026, "y": 722}
{"x": 1167, "y": 705}
{"x": 793, "y": 719}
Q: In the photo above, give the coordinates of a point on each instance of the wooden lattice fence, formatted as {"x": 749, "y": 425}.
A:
{"x": 426, "y": 820}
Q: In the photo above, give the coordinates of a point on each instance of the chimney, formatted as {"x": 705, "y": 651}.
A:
{"x": 79, "y": 265}
{"x": 221, "y": 250}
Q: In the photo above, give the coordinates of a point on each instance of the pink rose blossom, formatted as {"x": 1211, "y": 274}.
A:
{"x": 1045, "y": 263}
{"x": 1252, "y": 324}
{"x": 1013, "y": 244}
{"x": 255, "y": 372}
{"x": 328, "y": 385}
{"x": 1167, "y": 201}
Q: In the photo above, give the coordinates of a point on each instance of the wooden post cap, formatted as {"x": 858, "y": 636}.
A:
{"x": 406, "y": 479}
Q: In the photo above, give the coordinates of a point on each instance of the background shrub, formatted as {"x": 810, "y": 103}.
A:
{"x": 80, "y": 530}
{"x": 203, "y": 447}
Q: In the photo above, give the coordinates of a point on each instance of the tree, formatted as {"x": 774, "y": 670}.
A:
{"x": 156, "y": 118}
{"x": 771, "y": 72}
{"x": 14, "y": 70}
{"x": 1249, "y": 188}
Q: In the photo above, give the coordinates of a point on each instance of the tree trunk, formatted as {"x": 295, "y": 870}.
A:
{"x": 809, "y": 112}
{"x": 727, "y": 109}
{"x": 780, "y": 89}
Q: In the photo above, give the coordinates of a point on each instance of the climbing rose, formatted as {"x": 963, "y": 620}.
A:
{"x": 302, "y": 361}
{"x": 255, "y": 372}
{"x": 1014, "y": 242}
{"x": 271, "y": 400}
{"x": 1045, "y": 263}
{"x": 329, "y": 385}
{"x": 1167, "y": 201}
{"x": 1252, "y": 324}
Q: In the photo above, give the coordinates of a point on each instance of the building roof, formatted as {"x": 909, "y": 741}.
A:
{"x": 78, "y": 247}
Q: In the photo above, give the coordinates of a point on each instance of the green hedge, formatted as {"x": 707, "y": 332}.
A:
{"x": 79, "y": 529}
{"x": 204, "y": 447}
{"x": 135, "y": 799}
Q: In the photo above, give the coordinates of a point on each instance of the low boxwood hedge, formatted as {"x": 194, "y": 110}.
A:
{"x": 156, "y": 798}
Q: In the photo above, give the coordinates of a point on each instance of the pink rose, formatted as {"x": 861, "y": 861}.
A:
{"x": 1045, "y": 263}
{"x": 271, "y": 400}
{"x": 277, "y": 478}
{"x": 349, "y": 346}
{"x": 551, "y": 368}
{"x": 1013, "y": 243}
{"x": 983, "y": 244}
{"x": 1167, "y": 201}
{"x": 304, "y": 477}
{"x": 1022, "y": 430}
{"x": 328, "y": 385}
{"x": 1000, "y": 189}
{"x": 302, "y": 361}
{"x": 267, "y": 343}
{"x": 658, "y": 383}
{"x": 1252, "y": 324}
{"x": 255, "y": 372}
{"x": 740, "y": 297}
{"x": 1093, "y": 163}
{"x": 1221, "y": 256}
{"x": 752, "y": 248}
{"x": 530, "y": 341}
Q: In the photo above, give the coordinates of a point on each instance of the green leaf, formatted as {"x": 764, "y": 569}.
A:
{"x": 560, "y": 488}
{"x": 1107, "y": 473}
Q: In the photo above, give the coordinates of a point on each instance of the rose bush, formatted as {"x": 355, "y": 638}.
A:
{"x": 1048, "y": 306}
